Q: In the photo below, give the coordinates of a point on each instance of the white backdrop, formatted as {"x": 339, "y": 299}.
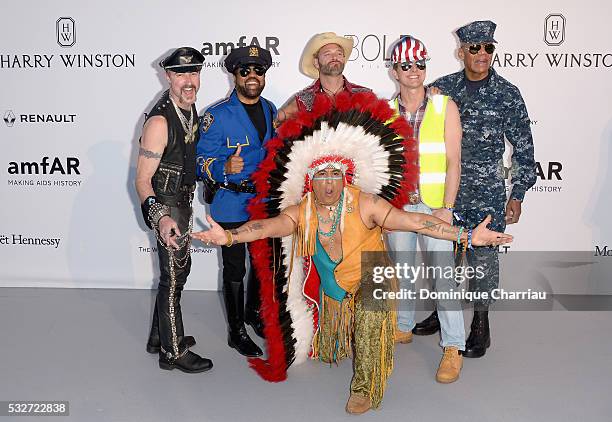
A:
{"x": 77, "y": 78}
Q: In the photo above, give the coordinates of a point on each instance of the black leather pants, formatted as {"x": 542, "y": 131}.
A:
{"x": 174, "y": 271}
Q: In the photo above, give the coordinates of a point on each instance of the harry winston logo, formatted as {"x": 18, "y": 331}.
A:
{"x": 66, "y": 31}
{"x": 554, "y": 29}
{"x": 9, "y": 118}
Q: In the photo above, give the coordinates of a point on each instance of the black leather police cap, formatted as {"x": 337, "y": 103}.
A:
{"x": 251, "y": 54}
{"x": 183, "y": 60}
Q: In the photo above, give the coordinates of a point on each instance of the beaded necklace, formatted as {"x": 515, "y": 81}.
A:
{"x": 334, "y": 220}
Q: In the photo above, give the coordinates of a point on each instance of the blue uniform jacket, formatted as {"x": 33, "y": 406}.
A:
{"x": 224, "y": 126}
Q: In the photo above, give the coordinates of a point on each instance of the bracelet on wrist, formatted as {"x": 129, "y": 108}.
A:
{"x": 157, "y": 211}
{"x": 230, "y": 238}
{"x": 153, "y": 211}
{"x": 459, "y": 234}
{"x": 469, "y": 239}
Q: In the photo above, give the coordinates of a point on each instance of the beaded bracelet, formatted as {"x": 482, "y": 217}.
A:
{"x": 460, "y": 233}
{"x": 469, "y": 239}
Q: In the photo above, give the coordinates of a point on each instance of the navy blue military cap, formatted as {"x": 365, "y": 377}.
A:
{"x": 477, "y": 32}
{"x": 251, "y": 54}
{"x": 183, "y": 60}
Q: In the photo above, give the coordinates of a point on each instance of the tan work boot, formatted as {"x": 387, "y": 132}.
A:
{"x": 357, "y": 404}
{"x": 450, "y": 365}
{"x": 403, "y": 337}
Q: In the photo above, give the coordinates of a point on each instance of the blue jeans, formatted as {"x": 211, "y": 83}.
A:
{"x": 449, "y": 311}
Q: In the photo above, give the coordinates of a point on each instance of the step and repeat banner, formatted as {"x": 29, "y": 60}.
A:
{"x": 78, "y": 77}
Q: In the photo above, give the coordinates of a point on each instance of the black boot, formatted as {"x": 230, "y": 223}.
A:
{"x": 173, "y": 351}
{"x": 480, "y": 337}
{"x": 253, "y": 318}
{"x": 428, "y": 326}
{"x": 153, "y": 344}
{"x": 240, "y": 340}
{"x": 188, "y": 362}
{"x": 252, "y": 315}
{"x": 234, "y": 305}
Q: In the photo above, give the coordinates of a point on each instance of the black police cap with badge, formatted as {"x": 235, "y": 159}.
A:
{"x": 183, "y": 60}
{"x": 249, "y": 55}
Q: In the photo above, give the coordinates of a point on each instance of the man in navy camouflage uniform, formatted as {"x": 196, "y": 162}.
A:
{"x": 492, "y": 110}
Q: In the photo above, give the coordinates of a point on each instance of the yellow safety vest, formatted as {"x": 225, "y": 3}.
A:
{"x": 432, "y": 151}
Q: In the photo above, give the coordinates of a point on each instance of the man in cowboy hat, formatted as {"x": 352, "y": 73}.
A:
{"x": 492, "y": 111}
{"x": 325, "y": 302}
{"x": 234, "y": 132}
{"x": 437, "y": 128}
{"x": 165, "y": 181}
{"x": 323, "y": 60}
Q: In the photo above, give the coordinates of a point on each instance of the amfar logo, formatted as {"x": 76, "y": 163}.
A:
{"x": 550, "y": 170}
{"x": 554, "y": 29}
{"x": 224, "y": 48}
{"x": 66, "y": 32}
{"x": 69, "y": 165}
{"x": 9, "y": 118}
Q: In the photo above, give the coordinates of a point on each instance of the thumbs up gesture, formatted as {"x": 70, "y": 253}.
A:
{"x": 235, "y": 163}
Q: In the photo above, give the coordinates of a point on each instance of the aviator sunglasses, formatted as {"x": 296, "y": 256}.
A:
{"x": 475, "y": 48}
{"x": 246, "y": 70}
{"x": 420, "y": 64}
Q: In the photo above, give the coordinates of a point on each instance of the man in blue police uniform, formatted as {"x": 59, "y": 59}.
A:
{"x": 233, "y": 134}
{"x": 492, "y": 110}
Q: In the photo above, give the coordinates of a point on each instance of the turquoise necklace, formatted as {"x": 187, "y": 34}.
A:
{"x": 334, "y": 220}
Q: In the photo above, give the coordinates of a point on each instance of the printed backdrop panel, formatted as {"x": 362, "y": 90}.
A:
{"x": 78, "y": 78}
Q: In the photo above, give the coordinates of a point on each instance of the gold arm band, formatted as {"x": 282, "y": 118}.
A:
{"x": 230, "y": 238}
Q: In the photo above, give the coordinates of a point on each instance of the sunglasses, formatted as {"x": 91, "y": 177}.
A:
{"x": 246, "y": 70}
{"x": 420, "y": 64}
{"x": 475, "y": 48}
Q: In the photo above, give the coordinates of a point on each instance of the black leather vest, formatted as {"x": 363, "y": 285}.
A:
{"x": 174, "y": 180}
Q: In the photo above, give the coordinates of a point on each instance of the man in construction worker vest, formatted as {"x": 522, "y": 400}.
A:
{"x": 436, "y": 125}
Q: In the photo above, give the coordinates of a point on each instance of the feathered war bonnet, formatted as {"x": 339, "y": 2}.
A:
{"x": 378, "y": 154}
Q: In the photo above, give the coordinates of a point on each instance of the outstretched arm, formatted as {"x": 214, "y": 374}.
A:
{"x": 287, "y": 111}
{"x": 383, "y": 214}
{"x": 282, "y": 225}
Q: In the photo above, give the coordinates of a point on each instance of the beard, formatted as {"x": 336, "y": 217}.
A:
{"x": 250, "y": 92}
{"x": 332, "y": 69}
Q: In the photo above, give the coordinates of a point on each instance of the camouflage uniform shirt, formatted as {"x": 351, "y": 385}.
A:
{"x": 493, "y": 113}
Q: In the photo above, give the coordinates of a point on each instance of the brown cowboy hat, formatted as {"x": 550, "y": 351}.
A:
{"x": 315, "y": 44}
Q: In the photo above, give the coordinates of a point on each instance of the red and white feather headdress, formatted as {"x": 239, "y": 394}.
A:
{"x": 377, "y": 154}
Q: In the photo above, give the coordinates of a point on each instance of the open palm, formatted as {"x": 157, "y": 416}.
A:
{"x": 482, "y": 236}
{"x": 215, "y": 235}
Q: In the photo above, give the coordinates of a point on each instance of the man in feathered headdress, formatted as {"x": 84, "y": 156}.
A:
{"x": 327, "y": 180}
